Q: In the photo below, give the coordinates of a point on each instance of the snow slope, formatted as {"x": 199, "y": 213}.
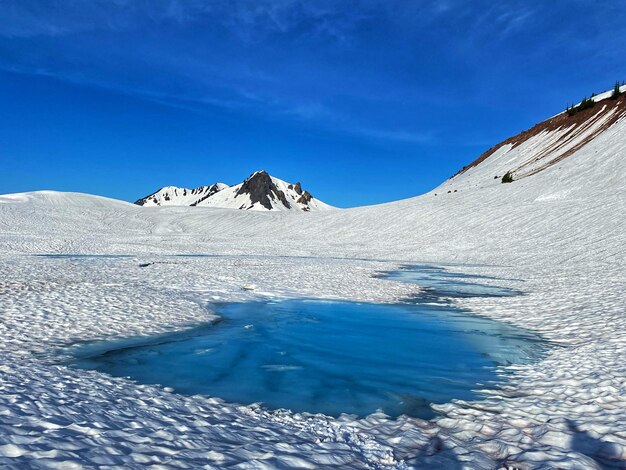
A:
{"x": 260, "y": 191}
{"x": 547, "y": 143}
{"x": 558, "y": 234}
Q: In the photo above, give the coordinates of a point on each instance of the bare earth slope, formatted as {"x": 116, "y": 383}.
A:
{"x": 558, "y": 234}
{"x": 553, "y": 140}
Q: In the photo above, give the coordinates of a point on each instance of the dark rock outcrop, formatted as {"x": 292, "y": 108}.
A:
{"x": 283, "y": 199}
{"x": 260, "y": 188}
{"x": 210, "y": 191}
{"x": 305, "y": 198}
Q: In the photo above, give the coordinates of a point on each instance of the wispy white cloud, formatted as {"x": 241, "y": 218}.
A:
{"x": 277, "y": 62}
{"x": 227, "y": 84}
{"x": 248, "y": 19}
{"x": 23, "y": 19}
{"x": 343, "y": 123}
{"x": 312, "y": 113}
{"x": 409, "y": 137}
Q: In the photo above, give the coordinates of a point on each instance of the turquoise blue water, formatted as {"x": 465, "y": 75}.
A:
{"x": 327, "y": 357}
{"x": 438, "y": 282}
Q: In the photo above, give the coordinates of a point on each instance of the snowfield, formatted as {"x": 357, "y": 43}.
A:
{"x": 558, "y": 235}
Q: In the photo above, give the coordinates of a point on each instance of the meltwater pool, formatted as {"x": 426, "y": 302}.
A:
{"x": 328, "y": 357}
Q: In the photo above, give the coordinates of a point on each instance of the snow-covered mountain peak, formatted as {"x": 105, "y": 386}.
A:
{"x": 259, "y": 191}
{"x": 175, "y": 196}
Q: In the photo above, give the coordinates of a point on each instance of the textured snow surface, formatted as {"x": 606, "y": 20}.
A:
{"x": 559, "y": 236}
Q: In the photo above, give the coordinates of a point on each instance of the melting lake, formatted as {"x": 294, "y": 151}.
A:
{"x": 332, "y": 357}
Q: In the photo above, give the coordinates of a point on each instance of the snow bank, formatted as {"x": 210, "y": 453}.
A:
{"x": 561, "y": 233}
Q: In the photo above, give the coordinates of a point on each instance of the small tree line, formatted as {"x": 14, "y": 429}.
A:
{"x": 587, "y": 103}
{"x": 616, "y": 91}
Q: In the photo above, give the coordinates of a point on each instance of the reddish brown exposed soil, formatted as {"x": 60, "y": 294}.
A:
{"x": 575, "y": 125}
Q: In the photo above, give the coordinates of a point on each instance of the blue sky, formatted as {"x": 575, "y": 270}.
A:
{"x": 363, "y": 101}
